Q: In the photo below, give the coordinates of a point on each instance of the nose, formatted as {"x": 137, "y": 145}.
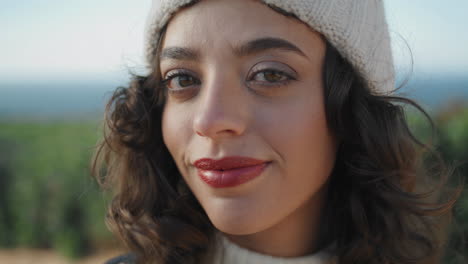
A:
{"x": 222, "y": 109}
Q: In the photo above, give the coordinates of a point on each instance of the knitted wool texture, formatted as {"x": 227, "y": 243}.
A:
{"x": 226, "y": 252}
{"x": 356, "y": 28}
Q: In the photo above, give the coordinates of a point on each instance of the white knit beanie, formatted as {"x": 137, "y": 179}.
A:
{"x": 356, "y": 28}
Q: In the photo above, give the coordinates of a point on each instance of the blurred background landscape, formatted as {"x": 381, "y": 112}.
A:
{"x": 59, "y": 63}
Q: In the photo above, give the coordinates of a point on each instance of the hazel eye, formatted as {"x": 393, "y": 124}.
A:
{"x": 267, "y": 75}
{"x": 271, "y": 76}
{"x": 180, "y": 80}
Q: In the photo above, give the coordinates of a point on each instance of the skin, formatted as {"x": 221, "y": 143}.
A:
{"x": 225, "y": 102}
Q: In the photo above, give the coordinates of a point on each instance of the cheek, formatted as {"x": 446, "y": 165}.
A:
{"x": 312, "y": 148}
{"x": 304, "y": 142}
{"x": 175, "y": 130}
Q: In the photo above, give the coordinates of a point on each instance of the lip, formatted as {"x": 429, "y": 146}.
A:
{"x": 229, "y": 171}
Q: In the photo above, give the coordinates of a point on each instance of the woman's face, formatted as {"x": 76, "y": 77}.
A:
{"x": 244, "y": 80}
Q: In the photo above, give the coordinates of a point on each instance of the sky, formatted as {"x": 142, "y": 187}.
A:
{"x": 88, "y": 39}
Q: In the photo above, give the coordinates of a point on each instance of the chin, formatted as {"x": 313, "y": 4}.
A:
{"x": 237, "y": 224}
{"x": 235, "y": 228}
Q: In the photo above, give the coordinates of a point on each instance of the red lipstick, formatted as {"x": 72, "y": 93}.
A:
{"x": 229, "y": 171}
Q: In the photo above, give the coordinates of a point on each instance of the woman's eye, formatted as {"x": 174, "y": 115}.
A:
{"x": 271, "y": 76}
{"x": 179, "y": 81}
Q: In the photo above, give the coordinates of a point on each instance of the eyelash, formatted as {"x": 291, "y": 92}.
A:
{"x": 289, "y": 78}
{"x": 172, "y": 75}
{"x": 181, "y": 73}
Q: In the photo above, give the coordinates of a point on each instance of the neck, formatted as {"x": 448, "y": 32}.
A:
{"x": 296, "y": 235}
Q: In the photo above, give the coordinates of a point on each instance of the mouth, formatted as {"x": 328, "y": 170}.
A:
{"x": 229, "y": 171}
{"x": 227, "y": 163}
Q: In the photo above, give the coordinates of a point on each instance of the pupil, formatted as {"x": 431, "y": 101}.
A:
{"x": 185, "y": 81}
{"x": 272, "y": 76}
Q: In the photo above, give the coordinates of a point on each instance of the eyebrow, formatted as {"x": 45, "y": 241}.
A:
{"x": 179, "y": 53}
{"x": 249, "y": 48}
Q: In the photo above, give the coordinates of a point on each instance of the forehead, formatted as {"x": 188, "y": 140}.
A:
{"x": 213, "y": 23}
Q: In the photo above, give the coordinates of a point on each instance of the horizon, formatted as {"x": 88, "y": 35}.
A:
{"x": 62, "y": 99}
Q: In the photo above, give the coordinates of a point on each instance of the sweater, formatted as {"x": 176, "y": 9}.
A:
{"x": 229, "y": 253}
{"x": 226, "y": 252}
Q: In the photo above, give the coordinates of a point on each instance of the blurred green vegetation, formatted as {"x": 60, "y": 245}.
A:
{"x": 49, "y": 200}
{"x": 450, "y": 140}
{"x": 47, "y": 197}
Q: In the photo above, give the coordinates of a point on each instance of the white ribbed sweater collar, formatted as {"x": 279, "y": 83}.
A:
{"x": 226, "y": 252}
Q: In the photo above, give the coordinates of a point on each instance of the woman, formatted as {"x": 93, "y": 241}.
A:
{"x": 266, "y": 132}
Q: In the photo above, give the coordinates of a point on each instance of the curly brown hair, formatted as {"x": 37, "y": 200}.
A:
{"x": 379, "y": 207}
